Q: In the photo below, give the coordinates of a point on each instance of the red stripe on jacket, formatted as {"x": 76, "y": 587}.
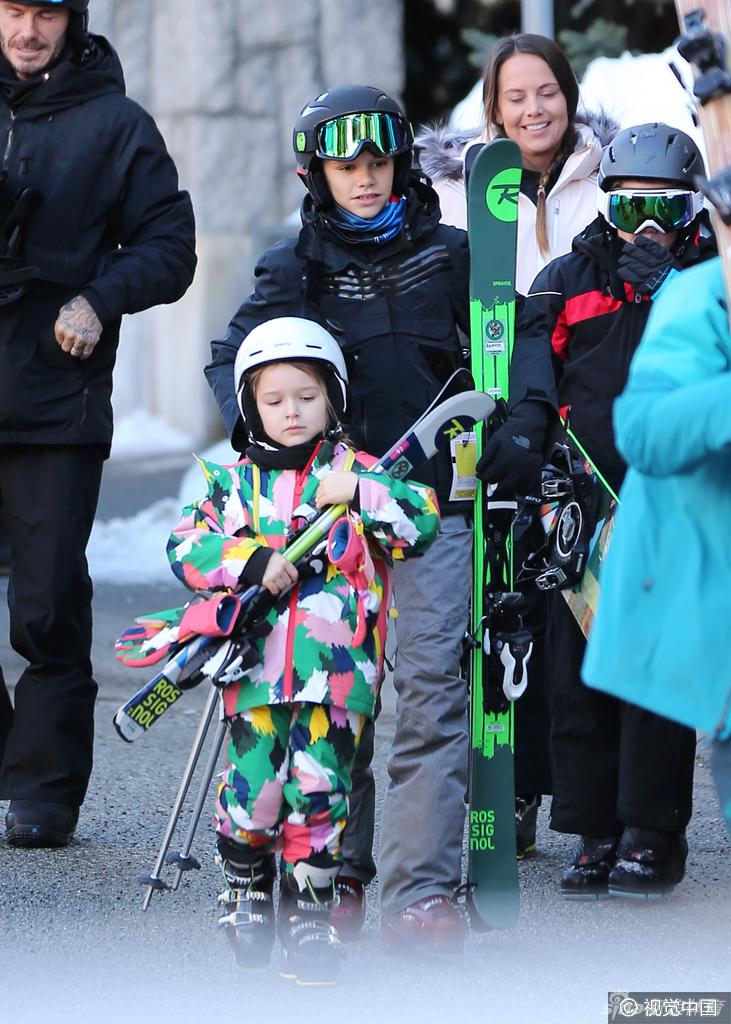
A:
{"x": 580, "y": 307}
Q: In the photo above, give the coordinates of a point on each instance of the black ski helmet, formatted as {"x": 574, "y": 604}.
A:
{"x": 337, "y": 102}
{"x": 79, "y": 7}
{"x": 651, "y": 152}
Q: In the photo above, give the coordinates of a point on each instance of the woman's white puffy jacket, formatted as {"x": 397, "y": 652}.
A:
{"x": 570, "y": 205}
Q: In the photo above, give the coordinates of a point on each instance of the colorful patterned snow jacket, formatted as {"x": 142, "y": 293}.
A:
{"x": 310, "y": 654}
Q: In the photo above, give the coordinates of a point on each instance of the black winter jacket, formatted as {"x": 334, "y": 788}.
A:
{"x": 110, "y": 225}
{"x": 394, "y": 309}
{"x": 576, "y": 333}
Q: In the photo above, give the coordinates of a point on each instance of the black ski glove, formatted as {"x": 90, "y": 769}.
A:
{"x": 645, "y": 264}
{"x": 513, "y": 455}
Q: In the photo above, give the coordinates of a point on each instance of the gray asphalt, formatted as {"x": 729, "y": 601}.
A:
{"x": 76, "y": 946}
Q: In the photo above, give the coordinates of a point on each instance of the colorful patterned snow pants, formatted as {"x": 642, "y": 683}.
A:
{"x": 287, "y": 784}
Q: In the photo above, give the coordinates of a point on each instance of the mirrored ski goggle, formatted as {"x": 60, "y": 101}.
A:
{"x": 343, "y": 137}
{"x": 665, "y": 210}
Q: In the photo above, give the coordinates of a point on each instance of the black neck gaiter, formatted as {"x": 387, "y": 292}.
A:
{"x": 295, "y": 457}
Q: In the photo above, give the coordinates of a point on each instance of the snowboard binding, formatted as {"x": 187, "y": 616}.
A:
{"x": 508, "y": 644}
{"x": 574, "y": 495}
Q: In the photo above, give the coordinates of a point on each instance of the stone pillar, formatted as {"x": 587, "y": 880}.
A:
{"x": 225, "y": 81}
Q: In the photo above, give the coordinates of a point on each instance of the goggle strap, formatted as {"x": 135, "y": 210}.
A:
{"x": 306, "y": 142}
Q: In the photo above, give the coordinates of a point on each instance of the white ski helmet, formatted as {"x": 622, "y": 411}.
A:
{"x": 286, "y": 339}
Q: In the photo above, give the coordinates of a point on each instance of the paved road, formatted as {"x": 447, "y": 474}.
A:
{"x": 75, "y": 945}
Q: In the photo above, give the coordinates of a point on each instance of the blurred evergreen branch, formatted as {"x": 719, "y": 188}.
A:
{"x": 601, "y": 39}
{"x": 603, "y": 29}
{"x": 479, "y": 44}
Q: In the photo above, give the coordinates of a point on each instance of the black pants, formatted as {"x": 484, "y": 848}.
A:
{"x": 613, "y": 763}
{"x": 50, "y": 495}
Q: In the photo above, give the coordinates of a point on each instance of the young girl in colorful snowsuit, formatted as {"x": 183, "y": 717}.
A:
{"x": 297, "y": 715}
{"x": 374, "y": 264}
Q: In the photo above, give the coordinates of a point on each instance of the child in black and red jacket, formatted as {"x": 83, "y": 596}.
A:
{"x": 622, "y": 776}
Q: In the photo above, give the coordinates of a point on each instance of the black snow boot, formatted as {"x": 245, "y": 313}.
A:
{"x": 248, "y": 909}
{"x": 312, "y": 952}
{"x": 649, "y": 863}
{"x": 587, "y": 878}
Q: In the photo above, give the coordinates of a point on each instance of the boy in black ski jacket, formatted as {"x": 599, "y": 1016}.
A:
{"x": 374, "y": 265}
{"x": 622, "y": 777}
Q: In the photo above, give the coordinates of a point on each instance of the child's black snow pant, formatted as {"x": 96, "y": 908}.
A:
{"x": 613, "y": 763}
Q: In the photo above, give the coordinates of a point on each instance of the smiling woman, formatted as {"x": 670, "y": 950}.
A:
{"x": 531, "y": 96}
{"x": 527, "y": 102}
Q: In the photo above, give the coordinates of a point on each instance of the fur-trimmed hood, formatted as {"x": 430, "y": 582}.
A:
{"x": 440, "y": 148}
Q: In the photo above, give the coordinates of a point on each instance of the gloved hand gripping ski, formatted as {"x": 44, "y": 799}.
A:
{"x": 513, "y": 456}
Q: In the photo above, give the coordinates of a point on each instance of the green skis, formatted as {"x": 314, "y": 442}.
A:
{"x": 501, "y": 647}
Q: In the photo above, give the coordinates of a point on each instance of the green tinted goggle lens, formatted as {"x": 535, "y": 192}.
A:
{"x": 668, "y": 210}
{"x": 343, "y": 137}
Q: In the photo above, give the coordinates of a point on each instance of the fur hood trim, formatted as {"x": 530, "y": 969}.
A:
{"x": 440, "y": 148}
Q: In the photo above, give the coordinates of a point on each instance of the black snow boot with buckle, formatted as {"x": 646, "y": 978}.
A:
{"x": 587, "y": 877}
{"x": 248, "y": 909}
{"x": 649, "y": 863}
{"x": 312, "y": 952}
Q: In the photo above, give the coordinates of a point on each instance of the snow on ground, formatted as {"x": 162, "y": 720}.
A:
{"x": 635, "y": 90}
{"x": 110, "y": 544}
{"x": 632, "y": 89}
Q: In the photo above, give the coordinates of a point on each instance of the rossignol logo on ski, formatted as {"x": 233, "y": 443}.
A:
{"x": 502, "y": 194}
{"x": 155, "y": 704}
{"x": 482, "y": 830}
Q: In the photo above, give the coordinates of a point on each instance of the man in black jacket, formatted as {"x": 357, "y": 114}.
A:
{"x": 92, "y": 226}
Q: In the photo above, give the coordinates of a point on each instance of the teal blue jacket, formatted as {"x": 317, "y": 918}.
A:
{"x": 662, "y": 635}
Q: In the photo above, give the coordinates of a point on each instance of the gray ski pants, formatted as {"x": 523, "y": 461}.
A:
{"x": 424, "y": 806}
